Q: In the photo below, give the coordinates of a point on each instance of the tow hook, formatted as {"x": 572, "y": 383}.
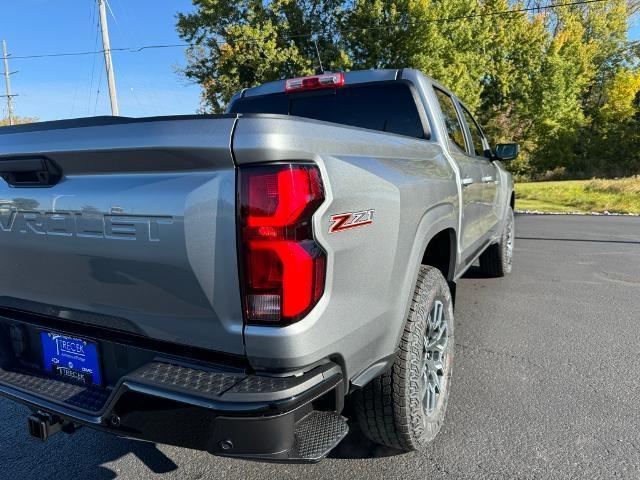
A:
{"x": 43, "y": 425}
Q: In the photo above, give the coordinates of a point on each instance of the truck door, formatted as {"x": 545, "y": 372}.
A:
{"x": 490, "y": 175}
{"x": 471, "y": 173}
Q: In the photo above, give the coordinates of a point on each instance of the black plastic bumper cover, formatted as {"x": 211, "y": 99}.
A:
{"x": 224, "y": 413}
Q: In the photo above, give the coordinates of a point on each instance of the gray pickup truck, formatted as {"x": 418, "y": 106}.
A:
{"x": 230, "y": 282}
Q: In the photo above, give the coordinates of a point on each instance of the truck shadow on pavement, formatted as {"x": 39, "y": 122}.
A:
{"x": 94, "y": 459}
{"x": 86, "y": 454}
{"x": 148, "y": 453}
{"x": 474, "y": 272}
{"x": 90, "y": 454}
{"x": 357, "y": 446}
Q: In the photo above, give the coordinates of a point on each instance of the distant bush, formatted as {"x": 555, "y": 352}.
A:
{"x": 558, "y": 173}
{"x": 620, "y": 185}
{"x": 18, "y": 120}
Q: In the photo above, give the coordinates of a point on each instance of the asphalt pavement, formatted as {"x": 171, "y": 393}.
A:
{"x": 545, "y": 383}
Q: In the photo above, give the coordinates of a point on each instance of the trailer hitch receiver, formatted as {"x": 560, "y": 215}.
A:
{"x": 44, "y": 425}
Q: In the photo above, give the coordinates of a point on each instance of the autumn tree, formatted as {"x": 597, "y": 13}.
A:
{"x": 17, "y": 120}
{"x": 242, "y": 44}
{"x": 560, "y": 80}
{"x": 423, "y": 34}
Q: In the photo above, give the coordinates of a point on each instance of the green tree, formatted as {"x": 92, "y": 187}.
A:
{"x": 556, "y": 80}
{"x": 566, "y": 72}
{"x": 421, "y": 34}
{"x": 615, "y": 147}
{"x": 243, "y": 44}
{"x": 516, "y": 50}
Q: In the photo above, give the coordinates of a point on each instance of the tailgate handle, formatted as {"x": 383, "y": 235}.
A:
{"x": 30, "y": 172}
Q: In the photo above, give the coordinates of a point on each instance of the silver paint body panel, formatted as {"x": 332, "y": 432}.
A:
{"x": 139, "y": 235}
{"x": 159, "y": 198}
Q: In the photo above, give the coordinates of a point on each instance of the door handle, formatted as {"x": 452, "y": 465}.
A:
{"x": 487, "y": 179}
{"x": 467, "y": 181}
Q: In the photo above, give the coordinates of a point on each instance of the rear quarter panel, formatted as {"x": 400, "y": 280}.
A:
{"x": 371, "y": 270}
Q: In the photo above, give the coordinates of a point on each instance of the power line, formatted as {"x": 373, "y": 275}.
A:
{"x": 132, "y": 37}
{"x": 92, "y": 12}
{"x": 472, "y": 16}
{"x": 95, "y": 46}
{"x": 309, "y": 35}
{"x": 77, "y": 77}
{"x": 111, "y": 12}
{"x": 94, "y": 52}
{"x": 95, "y": 107}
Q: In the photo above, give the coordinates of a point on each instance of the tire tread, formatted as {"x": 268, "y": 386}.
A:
{"x": 493, "y": 261}
{"x": 383, "y": 407}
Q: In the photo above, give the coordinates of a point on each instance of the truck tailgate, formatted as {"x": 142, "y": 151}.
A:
{"x": 138, "y": 234}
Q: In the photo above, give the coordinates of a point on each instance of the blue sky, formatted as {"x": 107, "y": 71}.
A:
{"x": 53, "y": 88}
{"x": 66, "y": 87}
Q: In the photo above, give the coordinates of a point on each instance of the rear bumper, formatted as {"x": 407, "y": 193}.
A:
{"x": 277, "y": 419}
{"x": 177, "y": 401}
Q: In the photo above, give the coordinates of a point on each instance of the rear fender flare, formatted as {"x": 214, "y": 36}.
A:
{"x": 435, "y": 220}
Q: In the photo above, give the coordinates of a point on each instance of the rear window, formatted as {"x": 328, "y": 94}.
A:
{"x": 387, "y": 107}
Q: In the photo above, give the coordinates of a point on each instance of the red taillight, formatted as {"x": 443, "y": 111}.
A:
{"x": 327, "y": 80}
{"x": 283, "y": 267}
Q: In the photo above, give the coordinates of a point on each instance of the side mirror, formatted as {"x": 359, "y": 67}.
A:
{"x": 507, "y": 151}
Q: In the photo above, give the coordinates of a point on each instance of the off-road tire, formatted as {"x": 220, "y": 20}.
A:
{"x": 390, "y": 408}
{"x": 497, "y": 259}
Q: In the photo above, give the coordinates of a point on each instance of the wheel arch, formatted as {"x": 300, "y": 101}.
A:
{"x": 436, "y": 233}
{"x": 436, "y": 230}
{"x": 440, "y": 252}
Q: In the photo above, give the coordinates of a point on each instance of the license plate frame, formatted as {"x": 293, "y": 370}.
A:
{"x": 71, "y": 358}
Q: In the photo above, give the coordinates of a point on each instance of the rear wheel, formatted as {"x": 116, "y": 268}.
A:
{"x": 405, "y": 407}
{"x": 497, "y": 259}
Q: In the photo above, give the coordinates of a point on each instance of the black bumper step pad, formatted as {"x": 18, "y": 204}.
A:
{"x": 89, "y": 399}
{"x": 316, "y": 435}
{"x": 226, "y": 386}
{"x": 205, "y": 383}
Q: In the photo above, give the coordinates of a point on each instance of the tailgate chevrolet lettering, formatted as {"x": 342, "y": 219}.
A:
{"x": 71, "y": 224}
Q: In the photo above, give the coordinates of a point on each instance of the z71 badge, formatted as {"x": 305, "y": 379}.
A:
{"x": 346, "y": 221}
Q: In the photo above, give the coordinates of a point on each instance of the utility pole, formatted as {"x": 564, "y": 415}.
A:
{"x": 108, "y": 65}
{"x": 7, "y": 82}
